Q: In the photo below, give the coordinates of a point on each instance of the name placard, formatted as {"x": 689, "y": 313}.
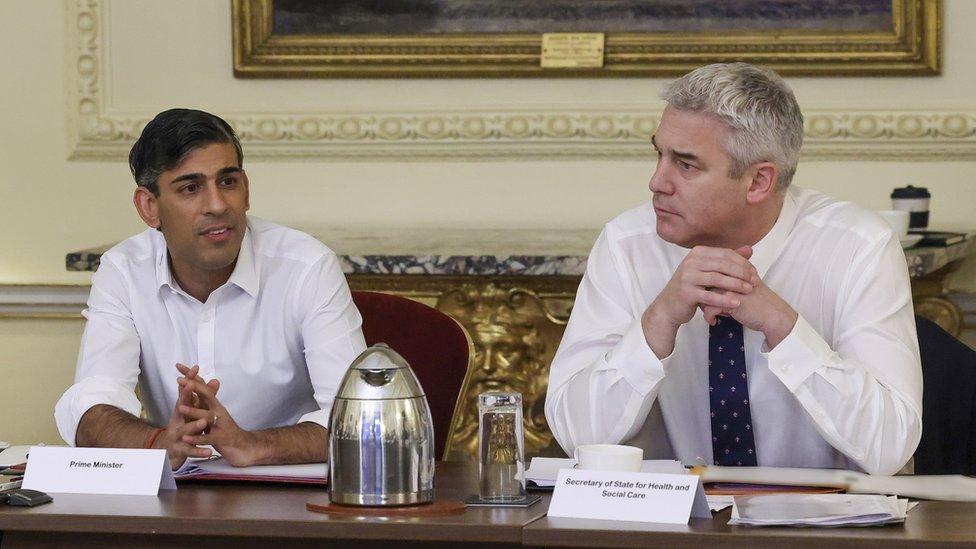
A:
{"x": 641, "y": 497}
{"x": 124, "y": 471}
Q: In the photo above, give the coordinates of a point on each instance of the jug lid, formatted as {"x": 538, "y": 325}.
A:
{"x": 379, "y": 357}
{"x": 379, "y": 373}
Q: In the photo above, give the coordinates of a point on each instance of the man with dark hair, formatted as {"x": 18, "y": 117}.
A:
{"x": 261, "y": 312}
{"x": 735, "y": 319}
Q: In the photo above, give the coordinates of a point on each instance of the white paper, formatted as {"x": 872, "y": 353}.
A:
{"x": 717, "y": 503}
{"x": 935, "y": 487}
{"x": 783, "y": 476}
{"x": 220, "y": 466}
{"x": 823, "y": 510}
{"x": 14, "y": 455}
{"x": 126, "y": 471}
{"x": 611, "y": 495}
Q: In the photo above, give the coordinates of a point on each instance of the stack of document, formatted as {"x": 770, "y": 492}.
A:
{"x": 219, "y": 469}
{"x": 14, "y": 455}
{"x": 934, "y": 487}
{"x": 823, "y": 510}
{"x": 542, "y": 471}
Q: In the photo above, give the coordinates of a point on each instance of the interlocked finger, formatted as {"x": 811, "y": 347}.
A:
{"x": 740, "y": 269}
{"x": 717, "y": 299}
{"x": 712, "y": 280}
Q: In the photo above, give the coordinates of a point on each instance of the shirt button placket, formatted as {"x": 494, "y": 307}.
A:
{"x": 205, "y": 340}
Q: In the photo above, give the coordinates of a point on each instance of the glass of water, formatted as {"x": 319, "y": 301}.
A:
{"x": 501, "y": 438}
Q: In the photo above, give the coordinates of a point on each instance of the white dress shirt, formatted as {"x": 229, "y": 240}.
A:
{"x": 843, "y": 390}
{"x": 279, "y": 335}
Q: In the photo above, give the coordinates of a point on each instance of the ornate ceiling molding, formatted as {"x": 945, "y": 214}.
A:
{"x": 102, "y": 131}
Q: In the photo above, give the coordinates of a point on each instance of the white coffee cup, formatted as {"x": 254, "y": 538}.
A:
{"x": 898, "y": 219}
{"x": 608, "y": 457}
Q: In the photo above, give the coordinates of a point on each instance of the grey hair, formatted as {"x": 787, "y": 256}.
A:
{"x": 764, "y": 120}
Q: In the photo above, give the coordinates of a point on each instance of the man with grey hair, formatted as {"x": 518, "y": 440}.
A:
{"x": 736, "y": 319}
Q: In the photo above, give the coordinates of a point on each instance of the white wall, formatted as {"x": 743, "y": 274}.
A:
{"x": 163, "y": 54}
{"x": 37, "y": 359}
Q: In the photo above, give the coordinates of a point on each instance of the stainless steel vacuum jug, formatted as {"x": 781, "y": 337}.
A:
{"x": 381, "y": 438}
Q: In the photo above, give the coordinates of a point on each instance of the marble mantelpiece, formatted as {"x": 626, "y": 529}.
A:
{"x": 438, "y": 251}
{"x": 485, "y": 252}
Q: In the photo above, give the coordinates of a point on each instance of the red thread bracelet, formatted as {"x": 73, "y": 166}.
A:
{"x": 152, "y": 438}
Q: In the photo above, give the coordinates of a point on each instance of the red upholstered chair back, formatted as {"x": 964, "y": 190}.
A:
{"x": 436, "y": 346}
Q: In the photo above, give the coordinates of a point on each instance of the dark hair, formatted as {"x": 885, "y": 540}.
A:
{"x": 170, "y": 136}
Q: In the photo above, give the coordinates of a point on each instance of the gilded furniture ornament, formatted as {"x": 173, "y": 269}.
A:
{"x": 501, "y": 440}
{"x": 516, "y": 323}
{"x": 509, "y": 327}
{"x": 929, "y": 297}
{"x": 941, "y": 311}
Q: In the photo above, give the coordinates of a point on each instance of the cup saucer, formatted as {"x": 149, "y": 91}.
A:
{"x": 910, "y": 240}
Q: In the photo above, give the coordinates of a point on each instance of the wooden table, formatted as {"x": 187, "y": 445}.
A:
{"x": 930, "y": 524}
{"x": 250, "y": 515}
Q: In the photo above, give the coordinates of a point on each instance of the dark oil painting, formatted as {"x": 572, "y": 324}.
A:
{"x": 403, "y": 17}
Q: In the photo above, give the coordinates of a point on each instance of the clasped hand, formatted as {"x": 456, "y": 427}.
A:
{"x": 200, "y": 419}
{"x": 718, "y": 281}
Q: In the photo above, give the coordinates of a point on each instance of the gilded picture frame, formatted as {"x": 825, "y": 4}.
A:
{"x": 906, "y": 42}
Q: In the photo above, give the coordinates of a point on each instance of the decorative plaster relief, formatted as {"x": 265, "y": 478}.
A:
{"x": 100, "y": 132}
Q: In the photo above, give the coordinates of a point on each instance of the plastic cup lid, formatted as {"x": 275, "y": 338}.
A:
{"x": 910, "y": 192}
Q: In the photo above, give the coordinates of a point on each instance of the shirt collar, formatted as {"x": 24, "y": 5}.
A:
{"x": 769, "y": 247}
{"x": 164, "y": 277}
{"x": 245, "y": 275}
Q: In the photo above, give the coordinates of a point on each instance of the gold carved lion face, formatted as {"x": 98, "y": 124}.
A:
{"x": 510, "y": 354}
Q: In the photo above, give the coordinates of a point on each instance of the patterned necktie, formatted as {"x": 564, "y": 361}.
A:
{"x": 728, "y": 389}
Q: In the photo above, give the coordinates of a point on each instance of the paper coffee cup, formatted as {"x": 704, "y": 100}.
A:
{"x": 915, "y": 201}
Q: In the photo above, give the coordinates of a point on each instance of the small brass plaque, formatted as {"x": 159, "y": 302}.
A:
{"x": 571, "y": 50}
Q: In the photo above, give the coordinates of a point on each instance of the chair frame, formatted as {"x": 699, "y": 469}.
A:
{"x": 450, "y": 443}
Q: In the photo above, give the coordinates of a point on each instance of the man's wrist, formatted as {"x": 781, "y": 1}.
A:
{"x": 659, "y": 332}
{"x": 256, "y": 448}
{"x": 781, "y": 328}
{"x": 154, "y": 435}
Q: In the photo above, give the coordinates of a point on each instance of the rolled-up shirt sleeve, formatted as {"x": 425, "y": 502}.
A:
{"x": 331, "y": 331}
{"x": 108, "y": 361}
{"x": 863, "y": 393}
{"x": 604, "y": 377}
